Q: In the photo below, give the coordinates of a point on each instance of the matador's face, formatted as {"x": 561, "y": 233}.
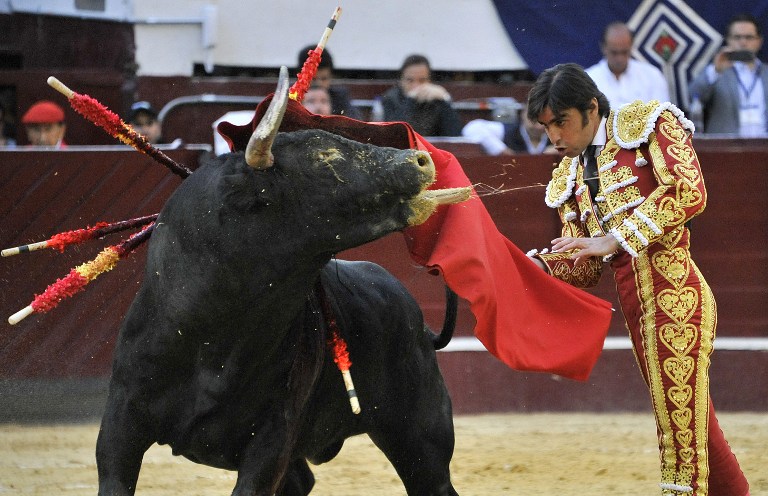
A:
{"x": 567, "y": 131}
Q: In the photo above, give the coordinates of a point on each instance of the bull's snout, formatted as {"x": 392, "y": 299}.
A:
{"x": 424, "y": 164}
{"x": 423, "y": 205}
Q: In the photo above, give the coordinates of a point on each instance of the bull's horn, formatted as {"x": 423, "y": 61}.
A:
{"x": 258, "y": 154}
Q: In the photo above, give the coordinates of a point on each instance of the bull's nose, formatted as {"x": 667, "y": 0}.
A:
{"x": 424, "y": 162}
{"x": 424, "y": 159}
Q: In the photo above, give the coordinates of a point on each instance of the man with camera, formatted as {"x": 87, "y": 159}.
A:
{"x": 734, "y": 87}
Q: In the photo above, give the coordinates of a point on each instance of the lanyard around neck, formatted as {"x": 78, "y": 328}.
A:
{"x": 755, "y": 79}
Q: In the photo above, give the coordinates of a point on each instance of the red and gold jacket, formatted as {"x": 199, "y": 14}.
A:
{"x": 650, "y": 185}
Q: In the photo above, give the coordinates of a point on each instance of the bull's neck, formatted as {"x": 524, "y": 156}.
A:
{"x": 280, "y": 291}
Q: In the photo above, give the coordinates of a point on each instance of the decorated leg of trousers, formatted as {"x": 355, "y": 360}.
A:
{"x": 671, "y": 316}
{"x": 673, "y": 342}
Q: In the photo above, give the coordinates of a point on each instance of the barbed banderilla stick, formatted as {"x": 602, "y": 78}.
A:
{"x": 309, "y": 69}
{"x": 80, "y": 276}
{"x": 338, "y": 347}
{"x": 64, "y": 239}
{"x": 94, "y": 111}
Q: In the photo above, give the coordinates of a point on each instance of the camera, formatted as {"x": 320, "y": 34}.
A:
{"x": 740, "y": 56}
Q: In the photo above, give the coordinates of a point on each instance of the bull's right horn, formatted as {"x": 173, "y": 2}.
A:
{"x": 258, "y": 153}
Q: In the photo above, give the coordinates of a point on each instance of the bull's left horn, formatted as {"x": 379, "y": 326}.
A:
{"x": 258, "y": 154}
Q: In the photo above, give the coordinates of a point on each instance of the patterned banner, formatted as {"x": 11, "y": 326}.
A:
{"x": 680, "y": 37}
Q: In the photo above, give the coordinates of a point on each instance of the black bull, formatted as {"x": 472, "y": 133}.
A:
{"x": 222, "y": 354}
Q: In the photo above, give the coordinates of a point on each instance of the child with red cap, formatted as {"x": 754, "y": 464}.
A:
{"x": 44, "y": 123}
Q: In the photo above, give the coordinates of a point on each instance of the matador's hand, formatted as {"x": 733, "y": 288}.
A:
{"x": 586, "y": 247}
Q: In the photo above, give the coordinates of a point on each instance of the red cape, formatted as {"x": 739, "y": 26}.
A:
{"x": 526, "y": 318}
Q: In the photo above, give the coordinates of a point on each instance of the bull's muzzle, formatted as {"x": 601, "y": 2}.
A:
{"x": 427, "y": 201}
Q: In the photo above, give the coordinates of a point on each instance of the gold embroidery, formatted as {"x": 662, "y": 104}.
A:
{"x": 686, "y": 158}
{"x": 584, "y": 276}
{"x": 633, "y": 119}
{"x": 680, "y": 396}
{"x": 682, "y": 418}
{"x": 619, "y": 175}
{"x": 679, "y": 338}
{"x": 687, "y": 196}
{"x": 668, "y": 213}
{"x": 680, "y": 304}
{"x": 558, "y": 185}
{"x": 686, "y": 437}
{"x": 679, "y": 369}
{"x": 672, "y": 238}
{"x": 686, "y": 454}
{"x": 671, "y": 128}
{"x": 673, "y": 265}
{"x": 593, "y": 226}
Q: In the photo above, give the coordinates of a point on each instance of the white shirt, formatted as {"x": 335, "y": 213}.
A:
{"x": 601, "y": 136}
{"x": 490, "y": 135}
{"x": 641, "y": 81}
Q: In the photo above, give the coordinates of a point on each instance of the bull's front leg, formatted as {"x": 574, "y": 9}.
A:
{"x": 264, "y": 460}
{"x": 122, "y": 442}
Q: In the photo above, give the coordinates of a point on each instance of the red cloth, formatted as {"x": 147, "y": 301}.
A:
{"x": 526, "y": 318}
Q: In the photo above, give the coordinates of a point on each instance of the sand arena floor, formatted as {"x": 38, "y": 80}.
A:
{"x": 527, "y": 454}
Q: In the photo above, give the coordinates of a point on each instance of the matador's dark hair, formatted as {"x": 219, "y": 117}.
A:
{"x": 562, "y": 87}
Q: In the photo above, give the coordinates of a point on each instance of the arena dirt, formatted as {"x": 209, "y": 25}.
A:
{"x": 518, "y": 454}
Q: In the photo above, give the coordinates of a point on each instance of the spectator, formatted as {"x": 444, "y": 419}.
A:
{"x": 621, "y": 78}
{"x": 509, "y": 138}
{"x": 6, "y": 141}
{"x": 143, "y": 118}
{"x": 340, "y": 102}
{"x": 419, "y": 102}
{"x": 733, "y": 89}
{"x": 44, "y": 124}
{"x": 317, "y": 100}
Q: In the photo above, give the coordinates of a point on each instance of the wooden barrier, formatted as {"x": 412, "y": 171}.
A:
{"x": 43, "y": 193}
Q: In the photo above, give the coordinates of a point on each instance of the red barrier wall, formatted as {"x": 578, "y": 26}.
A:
{"x": 43, "y": 193}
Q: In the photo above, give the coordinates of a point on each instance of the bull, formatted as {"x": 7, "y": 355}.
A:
{"x": 222, "y": 354}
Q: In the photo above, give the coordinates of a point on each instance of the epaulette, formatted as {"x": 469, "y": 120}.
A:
{"x": 560, "y": 187}
{"x": 634, "y": 122}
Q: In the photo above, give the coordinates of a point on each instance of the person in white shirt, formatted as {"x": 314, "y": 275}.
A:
{"x": 509, "y": 138}
{"x": 620, "y": 77}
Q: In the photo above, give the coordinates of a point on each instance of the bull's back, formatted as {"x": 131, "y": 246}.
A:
{"x": 383, "y": 325}
{"x": 369, "y": 297}
{"x": 393, "y": 360}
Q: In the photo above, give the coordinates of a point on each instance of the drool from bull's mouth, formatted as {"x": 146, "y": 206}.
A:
{"x": 427, "y": 201}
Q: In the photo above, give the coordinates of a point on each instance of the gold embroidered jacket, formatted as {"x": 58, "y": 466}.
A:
{"x": 650, "y": 185}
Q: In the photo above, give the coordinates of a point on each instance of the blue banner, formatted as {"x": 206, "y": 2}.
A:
{"x": 680, "y": 37}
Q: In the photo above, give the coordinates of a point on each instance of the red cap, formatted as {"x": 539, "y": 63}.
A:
{"x": 43, "y": 112}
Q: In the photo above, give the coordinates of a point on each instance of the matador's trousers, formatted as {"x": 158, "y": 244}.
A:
{"x": 671, "y": 317}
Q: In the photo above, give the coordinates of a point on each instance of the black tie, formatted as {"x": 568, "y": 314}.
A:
{"x": 590, "y": 170}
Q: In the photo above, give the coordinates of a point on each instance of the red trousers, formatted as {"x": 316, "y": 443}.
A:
{"x": 671, "y": 321}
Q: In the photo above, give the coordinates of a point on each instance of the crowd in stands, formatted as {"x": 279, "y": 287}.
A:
{"x": 729, "y": 97}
